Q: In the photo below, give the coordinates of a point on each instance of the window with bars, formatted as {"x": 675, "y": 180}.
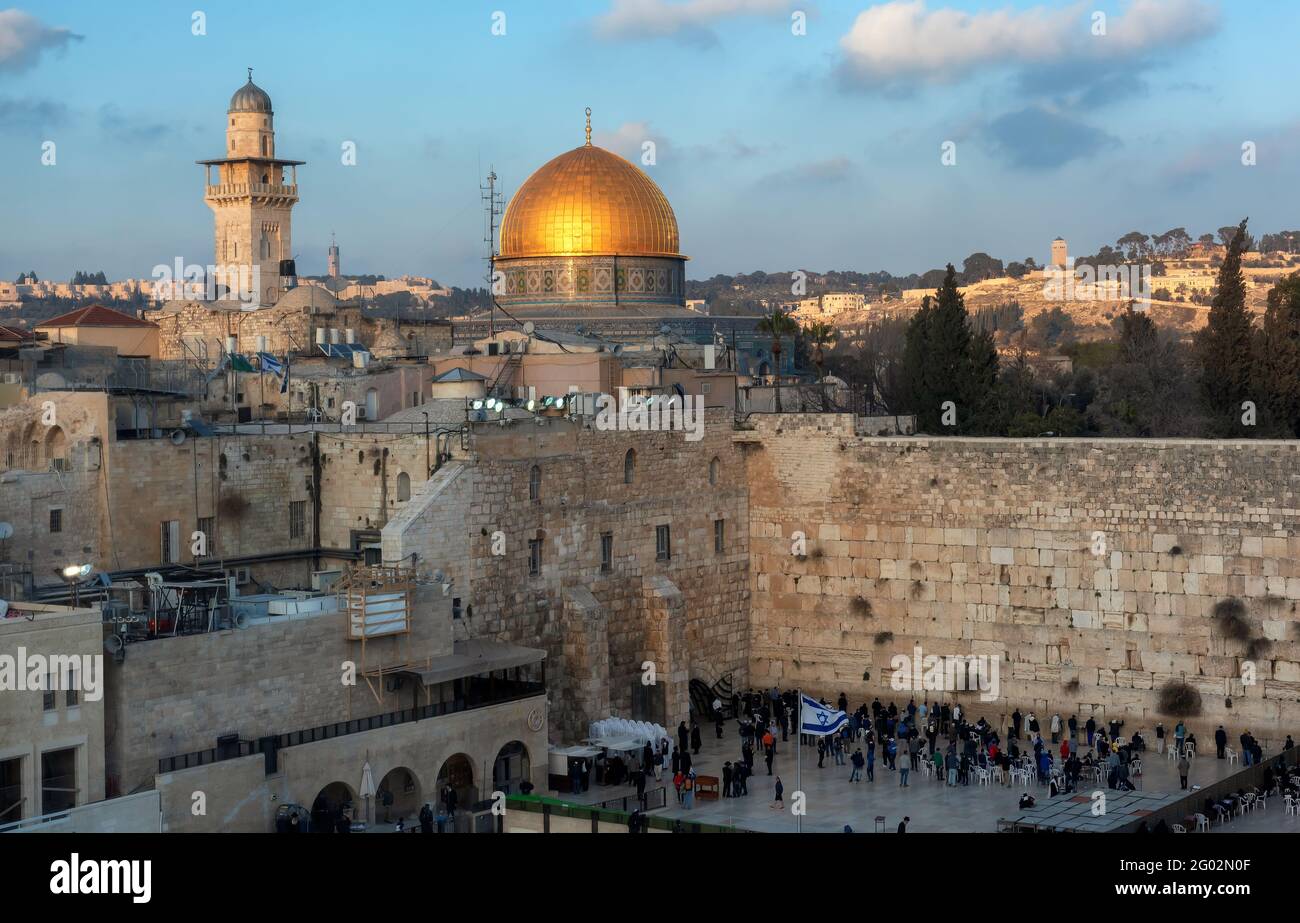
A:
{"x": 534, "y": 557}
{"x": 208, "y": 526}
{"x": 719, "y": 535}
{"x": 56, "y": 521}
{"x": 606, "y": 552}
{"x": 297, "y": 518}
{"x": 663, "y": 543}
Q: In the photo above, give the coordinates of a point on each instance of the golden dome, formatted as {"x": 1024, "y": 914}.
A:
{"x": 589, "y": 202}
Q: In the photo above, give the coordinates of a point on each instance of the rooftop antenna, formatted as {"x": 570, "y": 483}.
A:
{"x": 493, "y": 205}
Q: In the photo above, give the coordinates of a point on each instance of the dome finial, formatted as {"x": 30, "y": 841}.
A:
{"x": 250, "y": 75}
{"x": 588, "y": 126}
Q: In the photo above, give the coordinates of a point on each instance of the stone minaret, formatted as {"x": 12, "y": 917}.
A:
{"x": 251, "y": 193}
{"x": 333, "y": 259}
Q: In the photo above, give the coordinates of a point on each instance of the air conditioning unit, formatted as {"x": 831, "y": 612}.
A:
{"x": 241, "y": 575}
{"x": 13, "y": 378}
{"x": 361, "y": 412}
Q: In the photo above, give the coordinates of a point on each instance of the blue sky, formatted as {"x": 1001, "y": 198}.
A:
{"x": 777, "y": 150}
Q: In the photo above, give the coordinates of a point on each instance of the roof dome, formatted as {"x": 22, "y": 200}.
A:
{"x": 250, "y": 98}
{"x": 589, "y": 202}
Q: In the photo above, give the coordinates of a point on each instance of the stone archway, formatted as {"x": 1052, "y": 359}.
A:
{"x": 398, "y": 796}
{"x": 335, "y": 799}
{"x": 513, "y": 766}
{"x": 458, "y": 770}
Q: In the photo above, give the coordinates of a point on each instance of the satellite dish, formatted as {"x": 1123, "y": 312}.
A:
{"x": 665, "y": 330}
{"x": 178, "y": 436}
{"x": 6, "y": 531}
{"x": 529, "y": 328}
{"x": 618, "y": 349}
{"x": 113, "y": 643}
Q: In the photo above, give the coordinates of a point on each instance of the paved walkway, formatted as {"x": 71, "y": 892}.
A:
{"x": 832, "y": 801}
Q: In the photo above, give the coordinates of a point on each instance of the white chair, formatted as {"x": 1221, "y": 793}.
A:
{"x": 1202, "y": 823}
{"x": 997, "y": 774}
{"x": 1190, "y": 750}
{"x": 1177, "y": 828}
{"x": 1231, "y": 754}
{"x": 1292, "y": 805}
{"x": 983, "y": 776}
{"x": 1135, "y": 767}
{"x": 1260, "y": 802}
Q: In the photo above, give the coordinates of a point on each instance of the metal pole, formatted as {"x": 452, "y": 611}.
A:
{"x": 798, "y": 762}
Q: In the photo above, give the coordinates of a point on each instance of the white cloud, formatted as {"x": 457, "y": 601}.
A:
{"x": 660, "y": 18}
{"x": 23, "y": 38}
{"x": 905, "y": 40}
{"x": 628, "y": 138}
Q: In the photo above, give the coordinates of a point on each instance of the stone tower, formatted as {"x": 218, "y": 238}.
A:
{"x": 251, "y": 193}
{"x": 1060, "y": 254}
{"x": 333, "y": 259}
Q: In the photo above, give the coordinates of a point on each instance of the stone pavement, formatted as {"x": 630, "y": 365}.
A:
{"x": 832, "y": 801}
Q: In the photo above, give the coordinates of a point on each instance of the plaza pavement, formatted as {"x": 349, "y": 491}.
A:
{"x": 832, "y": 801}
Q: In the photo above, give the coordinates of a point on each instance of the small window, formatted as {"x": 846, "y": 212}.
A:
{"x": 535, "y": 484}
{"x": 606, "y": 552}
{"x": 455, "y": 608}
{"x": 663, "y": 543}
{"x": 56, "y": 521}
{"x": 297, "y": 518}
{"x": 629, "y": 466}
{"x": 71, "y": 698}
{"x": 171, "y": 541}
{"x": 534, "y": 557}
{"x": 713, "y": 471}
{"x": 719, "y": 535}
{"x": 50, "y": 702}
{"x": 403, "y": 487}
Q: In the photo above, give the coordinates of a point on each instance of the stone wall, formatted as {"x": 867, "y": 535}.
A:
{"x": 994, "y": 546}
{"x": 172, "y": 695}
{"x": 583, "y": 494}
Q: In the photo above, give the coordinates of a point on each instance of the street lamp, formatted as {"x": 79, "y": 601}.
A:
{"x": 74, "y": 573}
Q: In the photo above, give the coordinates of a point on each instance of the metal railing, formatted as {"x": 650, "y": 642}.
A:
{"x": 505, "y": 691}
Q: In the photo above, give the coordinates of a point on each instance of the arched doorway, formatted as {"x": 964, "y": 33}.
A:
{"x": 512, "y": 767}
{"x": 458, "y": 771}
{"x": 398, "y": 796}
{"x": 332, "y": 802}
{"x": 56, "y": 448}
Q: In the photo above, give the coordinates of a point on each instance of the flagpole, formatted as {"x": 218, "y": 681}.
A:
{"x": 798, "y": 762}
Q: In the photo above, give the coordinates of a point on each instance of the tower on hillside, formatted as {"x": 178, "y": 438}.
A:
{"x": 333, "y": 262}
{"x": 1060, "y": 253}
{"x": 251, "y": 193}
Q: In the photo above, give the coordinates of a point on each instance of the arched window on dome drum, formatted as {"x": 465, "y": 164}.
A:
{"x": 629, "y": 466}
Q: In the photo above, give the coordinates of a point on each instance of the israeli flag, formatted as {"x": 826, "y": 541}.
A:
{"x": 271, "y": 364}
{"x": 816, "y": 718}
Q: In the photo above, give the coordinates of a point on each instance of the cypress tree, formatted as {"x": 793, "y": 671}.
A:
{"x": 1224, "y": 345}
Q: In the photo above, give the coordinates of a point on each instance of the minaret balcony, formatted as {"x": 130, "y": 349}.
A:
{"x": 266, "y": 193}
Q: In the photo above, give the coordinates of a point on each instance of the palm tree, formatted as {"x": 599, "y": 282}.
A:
{"x": 820, "y": 334}
{"x": 778, "y": 324}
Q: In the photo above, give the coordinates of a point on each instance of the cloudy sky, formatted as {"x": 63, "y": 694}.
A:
{"x": 821, "y": 150}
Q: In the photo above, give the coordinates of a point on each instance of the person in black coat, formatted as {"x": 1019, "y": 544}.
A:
{"x": 683, "y": 736}
{"x": 1221, "y": 741}
{"x": 726, "y": 779}
{"x": 695, "y": 739}
{"x": 426, "y": 819}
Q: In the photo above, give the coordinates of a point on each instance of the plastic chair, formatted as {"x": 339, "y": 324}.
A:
{"x": 1231, "y": 755}
{"x": 1177, "y": 828}
{"x": 1202, "y": 823}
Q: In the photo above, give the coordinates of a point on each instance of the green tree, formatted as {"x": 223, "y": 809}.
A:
{"x": 943, "y": 361}
{"x": 820, "y": 334}
{"x": 1277, "y": 371}
{"x": 1224, "y": 345}
{"x": 777, "y": 325}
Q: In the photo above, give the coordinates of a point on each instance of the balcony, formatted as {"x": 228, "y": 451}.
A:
{"x": 267, "y": 192}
